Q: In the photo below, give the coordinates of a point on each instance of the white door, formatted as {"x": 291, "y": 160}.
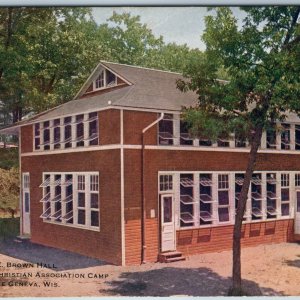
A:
{"x": 168, "y": 232}
{"x": 26, "y": 204}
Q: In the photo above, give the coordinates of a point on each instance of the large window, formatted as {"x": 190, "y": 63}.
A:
{"x": 68, "y": 132}
{"x": 211, "y": 199}
{"x": 71, "y": 199}
{"x": 166, "y": 130}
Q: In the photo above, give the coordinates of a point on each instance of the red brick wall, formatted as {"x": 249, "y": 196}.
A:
{"x": 109, "y": 126}
{"x": 105, "y": 244}
{"x": 26, "y": 139}
{"x": 170, "y": 160}
{"x": 217, "y": 239}
{"x": 134, "y": 123}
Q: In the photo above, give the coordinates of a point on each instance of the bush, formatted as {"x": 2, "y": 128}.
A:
{"x": 9, "y": 191}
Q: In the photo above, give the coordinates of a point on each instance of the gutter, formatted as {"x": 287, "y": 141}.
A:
{"x": 143, "y": 200}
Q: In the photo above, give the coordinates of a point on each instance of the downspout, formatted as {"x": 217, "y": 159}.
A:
{"x": 143, "y": 200}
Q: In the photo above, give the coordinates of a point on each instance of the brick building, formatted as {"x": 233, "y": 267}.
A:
{"x": 113, "y": 174}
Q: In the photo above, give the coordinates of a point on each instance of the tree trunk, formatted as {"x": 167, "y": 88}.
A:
{"x": 236, "y": 288}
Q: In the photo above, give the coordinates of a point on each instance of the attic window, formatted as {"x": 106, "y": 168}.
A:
{"x": 99, "y": 82}
{"x": 105, "y": 79}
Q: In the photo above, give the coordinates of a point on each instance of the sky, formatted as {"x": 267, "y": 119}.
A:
{"x": 182, "y": 25}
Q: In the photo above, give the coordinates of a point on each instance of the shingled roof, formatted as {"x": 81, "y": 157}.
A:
{"x": 146, "y": 89}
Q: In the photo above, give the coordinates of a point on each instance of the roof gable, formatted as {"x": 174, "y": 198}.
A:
{"x": 102, "y": 79}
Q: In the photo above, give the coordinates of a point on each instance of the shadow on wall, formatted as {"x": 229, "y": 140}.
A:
{"x": 179, "y": 281}
{"x": 33, "y": 253}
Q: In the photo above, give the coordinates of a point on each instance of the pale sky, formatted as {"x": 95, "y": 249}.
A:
{"x": 183, "y": 25}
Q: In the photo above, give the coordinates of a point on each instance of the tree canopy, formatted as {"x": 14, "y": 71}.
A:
{"x": 47, "y": 53}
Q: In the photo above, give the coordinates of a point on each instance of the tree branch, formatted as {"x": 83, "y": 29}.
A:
{"x": 293, "y": 24}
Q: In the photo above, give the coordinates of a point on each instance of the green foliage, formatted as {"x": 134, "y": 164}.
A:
{"x": 9, "y": 158}
{"x": 9, "y": 190}
{"x": 47, "y": 53}
{"x": 261, "y": 60}
{"x": 9, "y": 228}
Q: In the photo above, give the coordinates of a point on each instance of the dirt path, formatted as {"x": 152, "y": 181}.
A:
{"x": 267, "y": 270}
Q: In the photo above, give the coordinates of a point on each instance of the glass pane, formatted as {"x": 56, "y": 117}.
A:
{"x": 223, "y": 197}
{"x": 223, "y": 214}
{"x": 94, "y": 201}
{"x": 285, "y": 209}
{"x": 94, "y": 218}
{"x": 26, "y": 204}
{"x": 81, "y": 199}
{"x": 81, "y": 216}
{"x": 167, "y": 209}
{"x": 285, "y": 195}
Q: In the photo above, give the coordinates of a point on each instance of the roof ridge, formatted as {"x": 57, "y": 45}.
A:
{"x": 139, "y": 67}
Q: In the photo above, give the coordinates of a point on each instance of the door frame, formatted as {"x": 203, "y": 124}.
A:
{"x": 161, "y": 196}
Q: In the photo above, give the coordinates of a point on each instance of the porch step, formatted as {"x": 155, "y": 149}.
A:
{"x": 171, "y": 256}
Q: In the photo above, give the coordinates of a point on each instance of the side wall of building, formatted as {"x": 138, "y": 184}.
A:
{"x": 190, "y": 241}
{"x": 103, "y": 244}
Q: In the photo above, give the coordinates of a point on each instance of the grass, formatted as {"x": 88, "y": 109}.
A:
{"x": 9, "y": 228}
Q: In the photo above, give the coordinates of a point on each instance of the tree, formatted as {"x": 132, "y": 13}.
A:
{"x": 261, "y": 59}
{"x": 45, "y": 55}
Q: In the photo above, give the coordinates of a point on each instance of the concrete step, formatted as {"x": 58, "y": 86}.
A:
{"x": 22, "y": 238}
{"x": 170, "y": 256}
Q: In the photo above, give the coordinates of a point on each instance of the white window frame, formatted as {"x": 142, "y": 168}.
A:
{"x": 86, "y": 189}
{"x": 176, "y": 191}
{"x": 73, "y": 139}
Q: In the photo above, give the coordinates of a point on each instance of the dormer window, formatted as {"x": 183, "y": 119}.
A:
{"x": 105, "y": 79}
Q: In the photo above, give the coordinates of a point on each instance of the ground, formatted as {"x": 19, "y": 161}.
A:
{"x": 267, "y": 270}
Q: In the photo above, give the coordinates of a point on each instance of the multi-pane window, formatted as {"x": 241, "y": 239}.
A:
{"x": 285, "y": 194}
{"x": 105, "y": 79}
{"x": 187, "y": 200}
{"x": 94, "y": 200}
{"x": 185, "y": 138}
{"x": 271, "y": 138}
{"x": 269, "y": 196}
{"x": 272, "y": 196}
{"x": 56, "y": 133}
{"x": 37, "y": 140}
{"x": 165, "y": 183}
{"x": 256, "y": 197}
{"x": 46, "y": 135}
{"x": 68, "y": 132}
{"x": 71, "y": 199}
{"x": 93, "y": 128}
{"x": 223, "y": 197}
{"x": 286, "y": 137}
{"x": 99, "y": 82}
{"x": 166, "y": 130}
{"x": 80, "y": 130}
{"x": 297, "y": 137}
{"x": 206, "y": 199}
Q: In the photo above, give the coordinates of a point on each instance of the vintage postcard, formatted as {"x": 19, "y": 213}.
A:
{"x": 149, "y": 151}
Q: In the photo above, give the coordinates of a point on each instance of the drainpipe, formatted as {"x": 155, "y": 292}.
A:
{"x": 143, "y": 200}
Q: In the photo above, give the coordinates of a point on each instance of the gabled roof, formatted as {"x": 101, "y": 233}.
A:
{"x": 145, "y": 89}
